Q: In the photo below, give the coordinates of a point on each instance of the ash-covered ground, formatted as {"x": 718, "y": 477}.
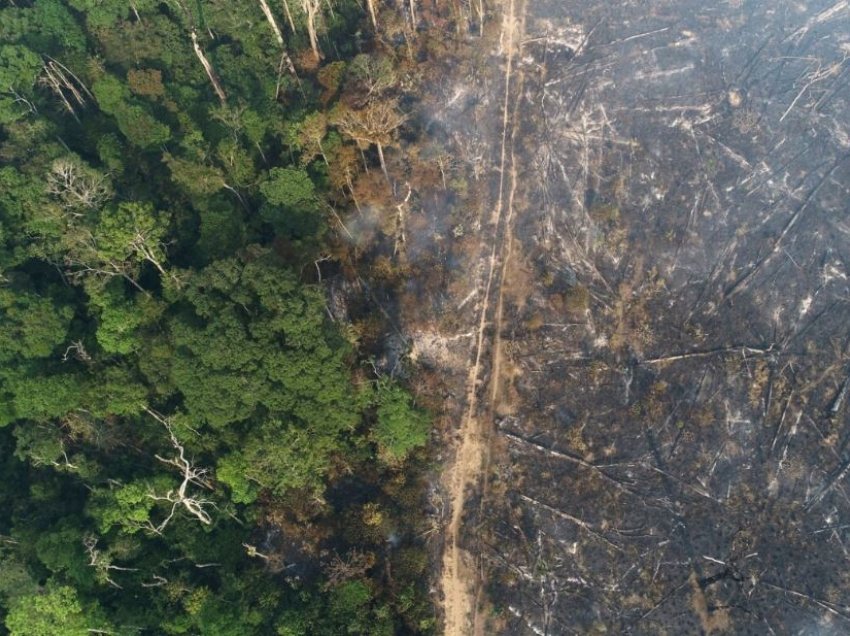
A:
{"x": 669, "y": 432}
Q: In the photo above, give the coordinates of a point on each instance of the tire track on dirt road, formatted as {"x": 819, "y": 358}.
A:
{"x": 459, "y": 580}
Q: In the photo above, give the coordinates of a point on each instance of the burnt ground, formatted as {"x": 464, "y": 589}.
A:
{"x": 669, "y": 441}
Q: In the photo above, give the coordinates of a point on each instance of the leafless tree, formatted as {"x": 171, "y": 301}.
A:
{"x": 352, "y": 566}
{"x": 65, "y": 85}
{"x": 288, "y": 13}
{"x": 191, "y": 475}
{"x": 370, "y": 4}
{"x": 79, "y": 352}
{"x": 101, "y": 562}
{"x": 312, "y": 9}
{"x": 76, "y": 187}
{"x": 211, "y": 74}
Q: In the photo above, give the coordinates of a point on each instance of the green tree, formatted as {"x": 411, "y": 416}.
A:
{"x": 134, "y": 121}
{"x": 292, "y": 203}
{"x": 290, "y": 188}
{"x": 31, "y": 326}
{"x": 400, "y": 427}
{"x": 57, "y": 611}
{"x": 19, "y": 69}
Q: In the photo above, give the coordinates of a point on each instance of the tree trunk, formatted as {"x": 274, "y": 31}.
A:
{"x": 286, "y": 61}
{"x": 311, "y": 8}
{"x": 371, "y": 5}
{"x": 383, "y": 163}
{"x": 353, "y": 195}
{"x": 209, "y": 69}
{"x": 288, "y": 15}
{"x": 272, "y": 22}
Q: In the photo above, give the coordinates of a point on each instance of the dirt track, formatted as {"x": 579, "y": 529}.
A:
{"x": 459, "y": 580}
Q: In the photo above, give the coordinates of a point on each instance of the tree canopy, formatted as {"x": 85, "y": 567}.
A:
{"x": 182, "y": 416}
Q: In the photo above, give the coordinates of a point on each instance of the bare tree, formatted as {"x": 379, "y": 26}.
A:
{"x": 101, "y": 562}
{"x": 77, "y": 187}
{"x": 146, "y": 245}
{"x": 412, "y": 7}
{"x": 400, "y": 234}
{"x": 355, "y": 564}
{"x": 181, "y": 497}
{"x": 79, "y": 352}
{"x": 199, "y": 52}
{"x": 370, "y": 4}
{"x": 288, "y": 13}
{"x": 285, "y": 60}
{"x": 272, "y": 22}
{"x": 65, "y": 85}
{"x": 312, "y": 10}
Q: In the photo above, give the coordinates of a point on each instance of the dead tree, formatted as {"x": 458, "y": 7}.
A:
{"x": 377, "y": 124}
{"x": 272, "y": 22}
{"x": 199, "y": 52}
{"x": 370, "y": 4}
{"x": 145, "y": 246}
{"x": 285, "y": 60}
{"x": 401, "y": 237}
{"x": 79, "y": 352}
{"x": 76, "y": 187}
{"x": 312, "y": 11}
{"x": 288, "y": 13}
{"x": 181, "y": 497}
{"x": 355, "y": 564}
{"x": 65, "y": 85}
{"x": 252, "y": 551}
{"x": 102, "y": 563}
{"x": 412, "y": 6}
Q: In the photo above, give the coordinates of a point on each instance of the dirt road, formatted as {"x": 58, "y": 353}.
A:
{"x": 459, "y": 580}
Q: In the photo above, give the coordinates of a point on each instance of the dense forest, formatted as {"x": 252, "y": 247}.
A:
{"x": 192, "y": 441}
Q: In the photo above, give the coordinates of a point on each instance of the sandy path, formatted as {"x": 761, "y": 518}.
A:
{"x": 459, "y": 579}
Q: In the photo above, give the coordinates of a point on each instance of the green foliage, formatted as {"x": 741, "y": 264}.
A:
{"x": 130, "y": 231}
{"x": 154, "y": 319}
{"x": 46, "y": 396}
{"x": 118, "y": 321}
{"x": 198, "y": 179}
{"x": 284, "y": 360}
{"x": 61, "y": 551}
{"x": 400, "y": 427}
{"x": 46, "y": 26}
{"x": 15, "y": 578}
{"x": 19, "y": 69}
{"x": 105, "y": 13}
{"x": 221, "y": 231}
{"x": 278, "y": 458}
{"x": 128, "y": 507}
{"x": 31, "y": 326}
{"x": 292, "y": 204}
{"x": 56, "y": 611}
{"x": 21, "y": 204}
{"x": 289, "y": 188}
{"x": 134, "y": 121}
